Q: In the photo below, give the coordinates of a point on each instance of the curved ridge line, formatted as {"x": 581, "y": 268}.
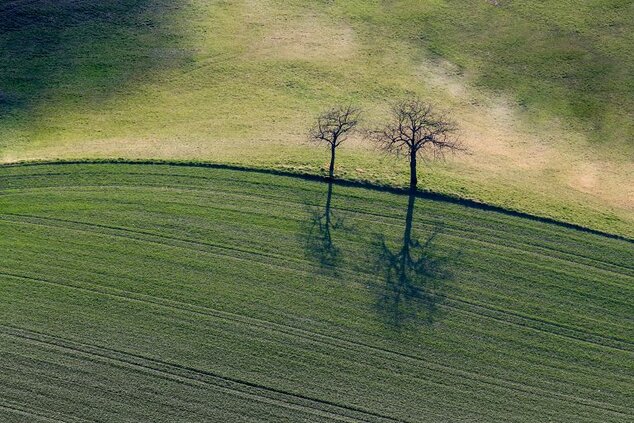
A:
{"x": 426, "y": 194}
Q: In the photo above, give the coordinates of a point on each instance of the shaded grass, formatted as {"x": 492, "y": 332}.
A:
{"x": 75, "y": 53}
{"x": 161, "y": 280}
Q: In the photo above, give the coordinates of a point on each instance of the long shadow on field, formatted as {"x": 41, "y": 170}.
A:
{"x": 82, "y": 51}
{"x": 319, "y": 242}
{"x": 414, "y": 276}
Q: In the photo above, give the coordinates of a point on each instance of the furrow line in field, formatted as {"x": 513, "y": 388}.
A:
{"x": 29, "y": 414}
{"x": 176, "y": 376}
{"x": 194, "y": 383}
{"x": 227, "y": 316}
{"x": 556, "y": 328}
{"x": 502, "y": 240}
{"x": 542, "y": 250}
{"x": 582, "y": 336}
{"x": 347, "y": 344}
{"x": 482, "y": 242}
{"x": 43, "y": 415}
{"x": 247, "y": 320}
{"x": 303, "y": 264}
{"x": 251, "y": 390}
{"x": 498, "y": 234}
{"x": 113, "y": 390}
{"x": 540, "y": 325}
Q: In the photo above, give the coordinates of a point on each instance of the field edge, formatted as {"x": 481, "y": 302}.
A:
{"x": 359, "y": 183}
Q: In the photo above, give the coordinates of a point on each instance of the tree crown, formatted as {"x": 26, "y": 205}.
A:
{"x": 415, "y": 127}
{"x": 334, "y": 125}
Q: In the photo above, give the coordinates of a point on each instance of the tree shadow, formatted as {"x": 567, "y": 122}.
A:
{"x": 319, "y": 243}
{"x": 76, "y": 51}
{"x": 414, "y": 276}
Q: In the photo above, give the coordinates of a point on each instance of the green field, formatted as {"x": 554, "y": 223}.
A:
{"x": 543, "y": 92}
{"x": 136, "y": 292}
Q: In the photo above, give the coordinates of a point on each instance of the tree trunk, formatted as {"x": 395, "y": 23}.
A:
{"x": 331, "y": 171}
{"x": 413, "y": 179}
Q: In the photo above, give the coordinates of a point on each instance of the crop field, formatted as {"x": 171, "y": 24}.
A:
{"x": 170, "y": 293}
{"x": 543, "y": 92}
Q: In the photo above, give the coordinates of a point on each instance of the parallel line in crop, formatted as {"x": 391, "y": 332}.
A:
{"x": 32, "y": 413}
{"x": 219, "y": 274}
{"x": 473, "y": 307}
{"x": 171, "y": 371}
{"x": 250, "y": 390}
{"x": 501, "y": 236}
{"x": 441, "y": 369}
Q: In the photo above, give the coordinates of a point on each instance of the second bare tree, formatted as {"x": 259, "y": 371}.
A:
{"x": 416, "y": 130}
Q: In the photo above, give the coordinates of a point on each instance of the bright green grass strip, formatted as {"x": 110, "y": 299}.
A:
{"x": 185, "y": 294}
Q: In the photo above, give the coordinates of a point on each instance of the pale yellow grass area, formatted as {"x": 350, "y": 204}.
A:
{"x": 309, "y": 37}
{"x": 500, "y": 149}
{"x": 287, "y": 33}
{"x": 502, "y": 145}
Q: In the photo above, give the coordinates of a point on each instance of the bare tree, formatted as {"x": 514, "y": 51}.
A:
{"x": 417, "y": 130}
{"x": 333, "y": 127}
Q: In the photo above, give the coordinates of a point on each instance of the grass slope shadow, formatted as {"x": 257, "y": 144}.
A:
{"x": 69, "y": 52}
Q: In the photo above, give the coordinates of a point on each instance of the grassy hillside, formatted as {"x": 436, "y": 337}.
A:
{"x": 171, "y": 293}
{"x": 543, "y": 92}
